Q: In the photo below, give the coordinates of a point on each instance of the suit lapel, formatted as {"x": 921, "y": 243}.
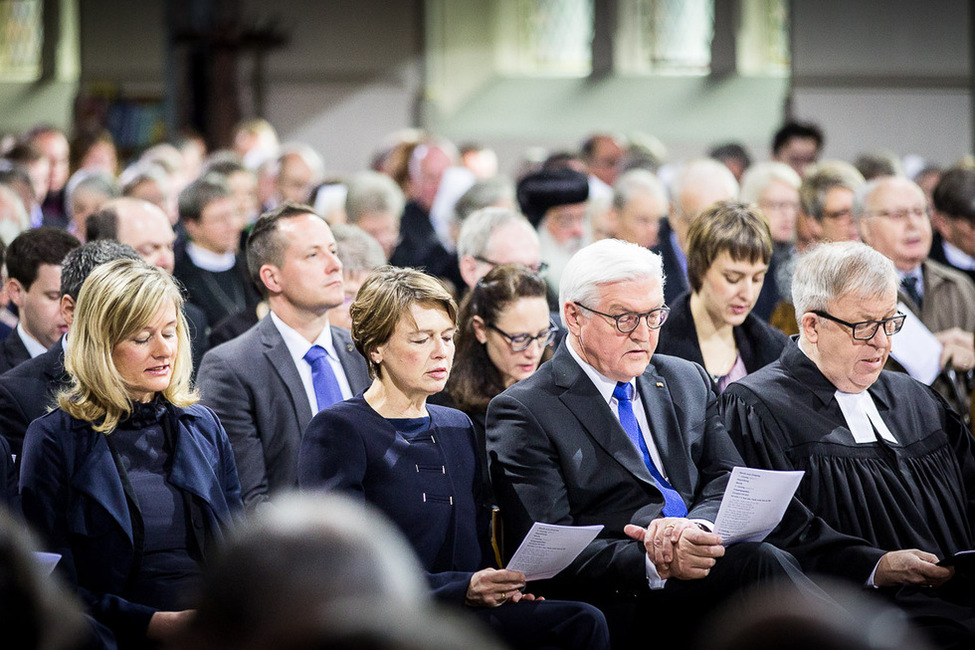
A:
{"x": 281, "y": 362}
{"x": 352, "y": 362}
{"x": 594, "y": 414}
{"x": 193, "y": 469}
{"x": 99, "y": 479}
{"x": 664, "y": 429}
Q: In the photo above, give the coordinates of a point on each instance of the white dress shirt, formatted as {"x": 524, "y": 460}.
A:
{"x": 298, "y": 346}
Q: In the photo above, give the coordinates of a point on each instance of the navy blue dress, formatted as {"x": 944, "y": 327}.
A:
{"x": 424, "y": 474}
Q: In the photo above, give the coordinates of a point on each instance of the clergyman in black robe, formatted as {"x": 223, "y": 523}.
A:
{"x": 884, "y": 457}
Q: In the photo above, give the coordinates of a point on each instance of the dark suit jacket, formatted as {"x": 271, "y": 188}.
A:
{"x": 202, "y": 290}
{"x": 559, "y": 455}
{"x": 13, "y": 352}
{"x": 253, "y": 385}
{"x": 759, "y": 344}
{"x": 74, "y": 497}
{"x": 938, "y": 255}
{"x": 27, "y": 392}
{"x": 675, "y": 282}
{"x": 351, "y": 448}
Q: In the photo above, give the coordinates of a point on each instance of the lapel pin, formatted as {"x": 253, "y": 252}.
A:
{"x": 660, "y": 384}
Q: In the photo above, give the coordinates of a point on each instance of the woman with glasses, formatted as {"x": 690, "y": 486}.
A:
{"x": 728, "y": 251}
{"x": 503, "y": 333}
{"x": 418, "y": 463}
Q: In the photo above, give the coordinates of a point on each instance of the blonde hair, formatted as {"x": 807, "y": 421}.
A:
{"x": 117, "y": 300}
{"x": 385, "y": 297}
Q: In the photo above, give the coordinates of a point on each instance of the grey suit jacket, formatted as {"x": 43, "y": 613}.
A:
{"x": 558, "y": 454}
{"x": 252, "y": 384}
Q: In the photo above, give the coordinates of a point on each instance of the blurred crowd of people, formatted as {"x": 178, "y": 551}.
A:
{"x": 189, "y": 336}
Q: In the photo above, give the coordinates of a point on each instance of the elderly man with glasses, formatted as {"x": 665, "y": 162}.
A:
{"x": 608, "y": 433}
{"x": 885, "y": 459}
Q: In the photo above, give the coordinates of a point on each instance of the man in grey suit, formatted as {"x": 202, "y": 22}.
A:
{"x": 602, "y": 434}
{"x": 260, "y": 384}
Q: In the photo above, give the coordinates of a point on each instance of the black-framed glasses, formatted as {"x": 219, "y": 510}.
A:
{"x": 867, "y": 329}
{"x": 629, "y": 321}
{"x": 537, "y": 269}
{"x": 521, "y": 342}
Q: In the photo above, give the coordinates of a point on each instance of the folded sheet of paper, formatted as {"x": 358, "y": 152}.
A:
{"x": 916, "y": 349}
{"x": 753, "y": 503}
{"x": 549, "y": 548}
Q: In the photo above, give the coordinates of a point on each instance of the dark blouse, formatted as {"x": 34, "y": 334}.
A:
{"x": 167, "y": 574}
{"x": 759, "y": 344}
{"x": 423, "y": 473}
{"x": 918, "y": 493}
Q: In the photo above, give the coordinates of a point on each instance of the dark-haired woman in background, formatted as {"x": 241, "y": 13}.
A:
{"x": 503, "y": 334}
{"x": 728, "y": 251}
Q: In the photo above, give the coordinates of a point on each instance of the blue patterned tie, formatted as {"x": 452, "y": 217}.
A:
{"x": 673, "y": 505}
{"x": 327, "y": 390}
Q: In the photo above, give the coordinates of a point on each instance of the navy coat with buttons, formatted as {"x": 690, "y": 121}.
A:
{"x": 73, "y": 495}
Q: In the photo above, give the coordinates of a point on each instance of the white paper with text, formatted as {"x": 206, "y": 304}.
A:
{"x": 753, "y": 503}
{"x": 549, "y": 548}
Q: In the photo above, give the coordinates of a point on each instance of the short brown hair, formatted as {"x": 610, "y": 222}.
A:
{"x": 265, "y": 245}
{"x": 741, "y": 230}
{"x": 384, "y": 298}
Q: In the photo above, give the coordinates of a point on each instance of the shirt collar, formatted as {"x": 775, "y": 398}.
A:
{"x": 958, "y": 258}
{"x": 210, "y": 261}
{"x": 298, "y": 345}
{"x": 603, "y": 384}
{"x": 34, "y": 347}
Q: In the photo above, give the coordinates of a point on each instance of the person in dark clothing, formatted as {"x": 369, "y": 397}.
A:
{"x": 34, "y": 266}
{"x": 29, "y": 391}
{"x": 885, "y": 459}
{"x": 503, "y": 334}
{"x": 417, "y": 463}
{"x": 209, "y": 267}
{"x": 130, "y": 481}
{"x": 729, "y": 248}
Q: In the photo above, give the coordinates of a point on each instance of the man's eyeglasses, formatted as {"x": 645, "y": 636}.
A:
{"x": 537, "y": 269}
{"x": 901, "y": 215}
{"x": 520, "y": 342}
{"x": 629, "y": 321}
{"x": 867, "y": 329}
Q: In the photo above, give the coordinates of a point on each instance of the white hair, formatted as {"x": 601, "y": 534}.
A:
{"x": 307, "y": 155}
{"x": 634, "y": 182}
{"x": 696, "y": 175}
{"x": 829, "y": 271}
{"x": 863, "y": 193}
{"x": 371, "y": 191}
{"x": 604, "y": 262}
{"x": 760, "y": 175}
{"x": 475, "y": 235}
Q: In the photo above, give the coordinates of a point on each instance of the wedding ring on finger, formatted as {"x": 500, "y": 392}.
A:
{"x": 503, "y": 598}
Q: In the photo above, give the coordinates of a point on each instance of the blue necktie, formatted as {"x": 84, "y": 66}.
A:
{"x": 327, "y": 390}
{"x": 673, "y": 505}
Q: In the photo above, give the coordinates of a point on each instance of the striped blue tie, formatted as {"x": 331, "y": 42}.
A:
{"x": 673, "y": 505}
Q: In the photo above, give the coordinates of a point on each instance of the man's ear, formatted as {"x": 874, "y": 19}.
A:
{"x": 468, "y": 270}
{"x": 67, "y": 309}
{"x": 572, "y": 316}
{"x": 269, "y": 276}
{"x": 16, "y": 292}
{"x": 809, "y": 326}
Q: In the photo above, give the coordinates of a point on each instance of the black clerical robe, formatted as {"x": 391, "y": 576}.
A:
{"x": 918, "y": 493}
